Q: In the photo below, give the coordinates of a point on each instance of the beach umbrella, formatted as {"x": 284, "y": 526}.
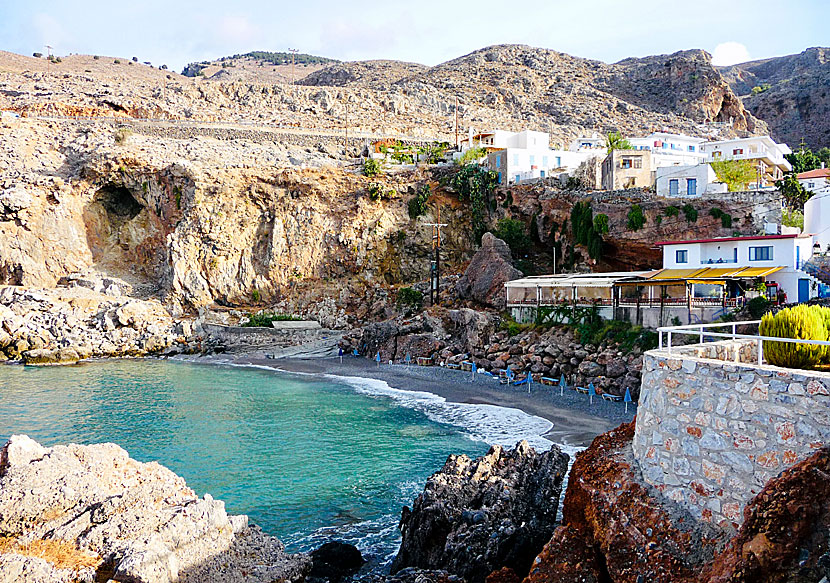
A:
{"x": 591, "y": 392}
{"x": 408, "y": 359}
{"x": 340, "y": 354}
{"x": 529, "y": 381}
{"x": 562, "y": 384}
{"x": 377, "y": 358}
{"x": 509, "y": 374}
{"x": 355, "y": 353}
{"x": 627, "y": 399}
{"x": 474, "y": 370}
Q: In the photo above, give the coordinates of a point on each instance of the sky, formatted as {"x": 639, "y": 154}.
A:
{"x": 425, "y": 31}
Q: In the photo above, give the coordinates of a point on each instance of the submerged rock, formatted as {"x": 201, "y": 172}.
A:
{"x": 91, "y": 513}
{"x": 476, "y": 516}
{"x": 334, "y": 561}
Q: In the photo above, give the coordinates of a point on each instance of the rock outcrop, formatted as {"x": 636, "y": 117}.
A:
{"x": 78, "y": 513}
{"x": 490, "y": 268}
{"x": 617, "y": 529}
{"x": 476, "y": 516}
{"x": 64, "y": 325}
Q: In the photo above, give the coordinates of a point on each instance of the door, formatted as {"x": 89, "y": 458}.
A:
{"x": 803, "y": 290}
{"x": 673, "y": 187}
{"x": 691, "y": 186}
{"x": 542, "y": 174}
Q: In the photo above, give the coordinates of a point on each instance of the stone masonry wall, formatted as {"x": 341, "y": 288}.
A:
{"x": 709, "y": 433}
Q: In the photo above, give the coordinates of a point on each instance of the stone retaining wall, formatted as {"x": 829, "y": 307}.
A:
{"x": 284, "y": 336}
{"x": 710, "y": 433}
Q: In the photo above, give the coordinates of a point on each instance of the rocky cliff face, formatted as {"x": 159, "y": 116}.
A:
{"x": 201, "y": 220}
{"x": 75, "y": 513}
{"x": 476, "y": 516}
{"x": 617, "y": 529}
{"x": 792, "y": 95}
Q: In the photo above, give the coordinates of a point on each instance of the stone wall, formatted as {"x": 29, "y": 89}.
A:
{"x": 277, "y": 337}
{"x": 711, "y": 433}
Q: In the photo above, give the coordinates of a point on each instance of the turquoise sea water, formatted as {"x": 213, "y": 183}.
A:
{"x": 308, "y": 458}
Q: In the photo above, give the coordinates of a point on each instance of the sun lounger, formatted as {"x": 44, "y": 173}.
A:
{"x": 425, "y": 361}
{"x": 583, "y": 390}
{"x": 614, "y": 398}
{"x": 549, "y": 381}
{"x": 453, "y": 366}
{"x": 467, "y": 366}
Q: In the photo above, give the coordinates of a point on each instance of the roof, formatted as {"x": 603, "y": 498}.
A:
{"x": 576, "y": 279}
{"x": 711, "y": 273}
{"x": 817, "y": 173}
{"x": 726, "y": 239}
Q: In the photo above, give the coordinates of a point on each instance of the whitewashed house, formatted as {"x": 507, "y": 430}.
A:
{"x": 692, "y": 180}
{"x": 815, "y": 180}
{"x": 779, "y": 259}
{"x": 766, "y": 155}
{"x": 670, "y": 149}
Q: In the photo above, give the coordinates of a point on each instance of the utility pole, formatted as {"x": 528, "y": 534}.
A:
{"x": 347, "y": 125}
{"x": 435, "y": 271}
{"x": 293, "y": 53}
{"x": 456, "y": 123}
{"x": 48, "y": 57}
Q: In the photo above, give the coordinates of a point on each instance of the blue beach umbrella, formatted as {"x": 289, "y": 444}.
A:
{"x": 377, "y": 358}
{"x": 474, "y": 370}
{"x": 627, "y": 399}
{"x": 509, "y": 374}
{"x": 355, "y": 353}
{"x": 529, "y": 381}
{"x": 562, "y": 384}
{"x": 340, "y": 354}
{"x": 591, "y": 392}
{"x": 408, "y": 359}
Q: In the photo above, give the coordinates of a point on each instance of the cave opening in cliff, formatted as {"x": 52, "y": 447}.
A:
{"x": 118, "y": 201}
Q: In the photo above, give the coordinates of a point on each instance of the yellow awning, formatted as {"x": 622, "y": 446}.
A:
{"x": 710, "y": 281}
{"x": 757, "y": 271}
{"x": 678, "y": 273}
{"x": 720, "y": 271}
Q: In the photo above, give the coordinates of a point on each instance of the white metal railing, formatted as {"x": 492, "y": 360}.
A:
{"x": 698, "y": 330}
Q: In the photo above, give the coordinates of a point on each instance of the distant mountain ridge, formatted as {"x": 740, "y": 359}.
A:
{"x": 790, "y": 93}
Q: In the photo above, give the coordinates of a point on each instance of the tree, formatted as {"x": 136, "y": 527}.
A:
{"x": 737, "y": 174}
{"x": 794, "y": 194}
{"x": 803, "y": 159}
{"x": 823, "y": 156}
{"x": 615, "y": 141}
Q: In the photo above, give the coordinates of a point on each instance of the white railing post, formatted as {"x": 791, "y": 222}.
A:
{"x": 760, "y": 352}
{"x": 701, "y": 334}
{"x": 660, "y": 339}
{"x": 733, "y": 331}
{"x": 669, "y": 341}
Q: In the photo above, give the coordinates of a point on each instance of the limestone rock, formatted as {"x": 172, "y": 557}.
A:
{"x": 476, "y": 516}
{"x": 491, "y": 267}
{"x": 139, "y": 521}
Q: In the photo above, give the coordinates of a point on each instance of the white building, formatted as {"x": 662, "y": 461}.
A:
{"x": 815, "y": 180}
{"x": 762, "y": 151}
{"x": 670, "y": 149}
{"x": 694, "y": 180}
{"x": 777, "y": 258}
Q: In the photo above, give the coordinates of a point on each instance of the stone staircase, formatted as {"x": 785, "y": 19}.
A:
{"x": 818, "y": 269}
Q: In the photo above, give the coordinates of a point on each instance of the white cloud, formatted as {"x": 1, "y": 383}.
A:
{"x": 729, "y": 53}
{"x": 238, "y": 29}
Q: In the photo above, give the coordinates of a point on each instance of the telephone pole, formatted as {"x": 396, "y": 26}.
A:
{"x": 435, "y": 268}
{"x": 456, "y": 122}
{"x": 293, "y": 54}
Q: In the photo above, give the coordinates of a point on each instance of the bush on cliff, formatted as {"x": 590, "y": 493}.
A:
{"x": 371, "y": 167}
{"x": 512, "y": 232}
{"x": 801, "y": 322}
{"x": 417, "y": 206}
{"x": 264, "y": 319}
{"x": 409, "y": 300}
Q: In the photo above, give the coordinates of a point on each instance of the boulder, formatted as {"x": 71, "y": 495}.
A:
{"x": 122, "y": 520}
{"x": 490, "y": 268}
{"x": 334, "y": 561}
{"x": 476, "y": 516}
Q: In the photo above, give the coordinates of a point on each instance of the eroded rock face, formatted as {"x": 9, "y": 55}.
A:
{"x": 617, "y": 529}
{"x": 476, "y": 516}
{"x": 490, "y": 268}
{"x": 133, "y": 521}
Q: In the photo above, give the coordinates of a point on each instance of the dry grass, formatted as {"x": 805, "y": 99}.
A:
{"x": 60, "y": 553}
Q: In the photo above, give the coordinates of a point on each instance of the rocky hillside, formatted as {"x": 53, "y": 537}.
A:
{"x": 508, "y": 86}
{"x": 258, "y": 67}
{"x": 791, "y": 94}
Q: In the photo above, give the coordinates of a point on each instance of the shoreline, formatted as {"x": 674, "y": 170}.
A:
{"x": 575, "y": 422}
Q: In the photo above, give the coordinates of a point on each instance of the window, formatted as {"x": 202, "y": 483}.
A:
{"x": 638, "y": 162}
{"x": 559, "y": 161}
{"x": 532, "y": 159}
{"x": 515, "y": 159}
{"x": 760, "y": 253}
{"x": 626, "y": 163}
{"x": 737, "y": 151}
{"x": 716, "y": 154}
{"x": 518, "y": 178}
{"x": 498, "y": 160}
{"x": 682, "y": 256}
{"x": 665, "y": 145}
{"x": 545, "y": 161}
{"x": 691, "y": 186}
{"x": 498, "y": 178}
{"x": 673, "y": 185}
{"x": 691, "y": 148}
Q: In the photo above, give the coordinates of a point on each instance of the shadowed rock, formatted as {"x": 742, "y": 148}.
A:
{"x": 490, "y": 268}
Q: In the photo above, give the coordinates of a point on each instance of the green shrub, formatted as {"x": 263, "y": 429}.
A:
{"x": 636, "y": 218}
{"x": 371, "y": 167}
{"x": 264, "y": 319}
{"x": 601, "y": 224}
{"x": 690, "y": 212}
{"x": 725, "y": 219}
{"x": 512, "y": 232}
{"x": 418, "y": 205}
{"x": 671, "y": 211}
{"x": 757, "y": 307}
{"x": 375, "y": 191}
{"x": 475, "y": 185}
{"x": 802, "y": 322}
{"x": 410, "y": 300}
{"x": 471, "y": 155}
